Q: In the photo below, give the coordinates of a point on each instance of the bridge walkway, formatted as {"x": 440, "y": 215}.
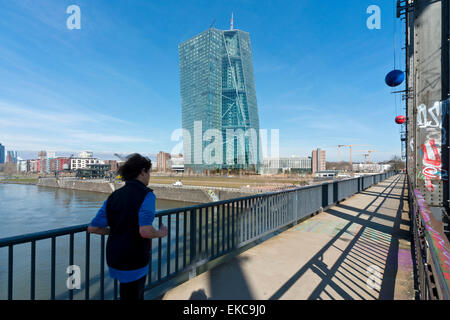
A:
{"x": 358, "y": 249}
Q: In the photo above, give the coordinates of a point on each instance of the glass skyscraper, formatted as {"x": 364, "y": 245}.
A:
{"x": 218, "y": 99}
{"x": 2, "y": 154}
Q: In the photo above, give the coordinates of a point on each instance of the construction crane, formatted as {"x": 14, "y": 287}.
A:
{"x": 122, "y": 158}
{"x": 365, "y": 157}
{"x": 350, "y": 146}
{"x": 339, "y": 152}
{"x": 367, "y": 154}
{"x": 370, "y": 155}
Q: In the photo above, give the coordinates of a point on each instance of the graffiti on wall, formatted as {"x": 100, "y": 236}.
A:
{"x": 411, "y": 154}
{"x": 429, "y": 123}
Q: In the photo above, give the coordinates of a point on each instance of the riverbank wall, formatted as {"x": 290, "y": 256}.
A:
{"x": 18, "y": 182}
{"x": 194, "y": 194}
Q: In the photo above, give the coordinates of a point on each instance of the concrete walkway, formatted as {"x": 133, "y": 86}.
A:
{"x": 358, "y": 249}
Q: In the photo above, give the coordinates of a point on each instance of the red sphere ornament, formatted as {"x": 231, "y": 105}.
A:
{"x": 400, "y": 119}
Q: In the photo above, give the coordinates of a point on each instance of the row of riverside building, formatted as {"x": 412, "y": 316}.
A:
{"x": 49, "y": 163}
{"x": 270, "y": 165}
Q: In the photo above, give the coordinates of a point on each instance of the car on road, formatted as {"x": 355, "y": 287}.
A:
{"x": 178, "y": 183}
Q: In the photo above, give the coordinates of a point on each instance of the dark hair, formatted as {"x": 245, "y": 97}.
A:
{"x": 132, "y": 168}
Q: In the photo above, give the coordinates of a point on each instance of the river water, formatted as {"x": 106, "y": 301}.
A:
{"x": 29, "y": 208}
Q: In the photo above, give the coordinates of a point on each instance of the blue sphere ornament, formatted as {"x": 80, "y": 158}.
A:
{"x": 395, "y": 78}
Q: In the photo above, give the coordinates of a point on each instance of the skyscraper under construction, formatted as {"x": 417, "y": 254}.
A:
{"x": 218, "y": 92}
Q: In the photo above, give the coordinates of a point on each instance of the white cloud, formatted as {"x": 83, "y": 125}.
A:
{"x": 35, "y": 129}
{"x": 106, "y": 138}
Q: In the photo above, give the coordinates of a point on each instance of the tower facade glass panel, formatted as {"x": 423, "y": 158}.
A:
{"x": 218, "y": 99}
{"x": 2, "y": 154}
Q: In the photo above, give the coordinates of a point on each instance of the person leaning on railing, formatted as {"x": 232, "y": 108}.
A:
{"x": 127, "y": 216}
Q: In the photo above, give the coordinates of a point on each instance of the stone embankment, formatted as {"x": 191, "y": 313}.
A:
{"x": 18, "y": 182}
{"x": 195, "y": 194}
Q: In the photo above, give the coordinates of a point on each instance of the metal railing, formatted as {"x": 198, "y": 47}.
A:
{"x": 432, "y": 250}
{"x": 196, "y": 235}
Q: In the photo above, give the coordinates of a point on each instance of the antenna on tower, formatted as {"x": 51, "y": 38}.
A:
{"x": 214, "y": 21}
{"x": 232, "y": 21}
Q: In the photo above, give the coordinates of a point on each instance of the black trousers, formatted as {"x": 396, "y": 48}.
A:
{"x": 133, "y": 290}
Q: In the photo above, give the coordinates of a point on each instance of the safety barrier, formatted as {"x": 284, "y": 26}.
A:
{"x": 196, "y": 235}
{"x": 432, "y": 250}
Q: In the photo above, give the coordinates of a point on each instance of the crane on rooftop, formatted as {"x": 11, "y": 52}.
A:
{"x": 370, "y": 155}
{"x": 121, "y": 157}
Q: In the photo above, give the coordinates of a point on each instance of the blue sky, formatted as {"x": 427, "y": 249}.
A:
{"x": 113, "y": 86}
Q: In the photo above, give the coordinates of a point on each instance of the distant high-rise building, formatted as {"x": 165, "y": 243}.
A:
{"x": 218, "y": 92}
{"x": 22, "y": 165}
{"x": 33, "y": 165}
{"x": 2, "y": 154}
{"x": 319, "y": 162}
{"x": 42, "y": 155}
{"x": 113, "y": 164}
{"x": 58, "y": 164}
{"x": 11, "y": 157}
{"x": 162, "y": 161}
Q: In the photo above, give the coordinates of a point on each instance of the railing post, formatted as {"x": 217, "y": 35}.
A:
{"x": 177, "y": 236}
{"x": 240, "y": 224}
{"x": 233, "y": 226}
{"x": 88, "y": 264}
{"x": 53, "y": 262}
{"x": 71, "y": 253}
{"x": 295, "y": 205}
{"x": 10, "y": 272}
{"x": 169, "y": 227}
{"x": 102, "y": 268}
{"x": 33, "y": 270}
{"x": 193, "y": 242}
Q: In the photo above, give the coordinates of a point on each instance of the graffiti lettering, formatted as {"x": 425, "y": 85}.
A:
{"x": 435, "y": 113}
{"x": 431, "y": 133}
{"x": 422, "y": 116}
{"x": 431, "y": 164}
{"x": 436, "y": 162}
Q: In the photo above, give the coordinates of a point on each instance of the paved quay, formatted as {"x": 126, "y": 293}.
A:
{"x": 358, "y": 249}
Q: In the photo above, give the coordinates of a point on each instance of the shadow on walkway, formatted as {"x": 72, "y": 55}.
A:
{"x": 221, "y": 288}
{"x": 361, "y": 251}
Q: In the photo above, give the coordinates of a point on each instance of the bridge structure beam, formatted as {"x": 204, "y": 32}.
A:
{"x": 427, "y": 84}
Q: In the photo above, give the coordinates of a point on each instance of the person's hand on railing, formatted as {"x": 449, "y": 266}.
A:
{"x": 150, "y": 233}
{"x": 96, "y": 230}
{"x": 163, "y": 231}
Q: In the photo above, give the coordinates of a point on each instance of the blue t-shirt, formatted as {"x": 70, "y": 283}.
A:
{"x": 146, "y": 217}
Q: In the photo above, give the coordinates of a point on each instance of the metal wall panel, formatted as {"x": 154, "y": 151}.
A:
{"x": 428, "y": 109}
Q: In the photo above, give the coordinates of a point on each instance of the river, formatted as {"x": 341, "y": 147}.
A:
{"x": 29, "y": 208}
